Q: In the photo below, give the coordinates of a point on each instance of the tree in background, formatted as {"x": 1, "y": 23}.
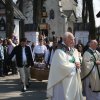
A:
{"x": 9, "y": 18}
{"x": 88, "y": 12}
{"x": 19, "y": 4}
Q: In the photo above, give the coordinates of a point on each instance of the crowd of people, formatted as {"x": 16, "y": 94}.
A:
{"x": 74, "y": 68}
{"x": 74, "y": 71}
{"x": 6, "y": 47}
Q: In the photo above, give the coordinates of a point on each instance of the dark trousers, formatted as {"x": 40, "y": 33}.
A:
{"x": 1, "y": 67}
{"x": 5, "y": 67}
{"x": 13, "y": 67}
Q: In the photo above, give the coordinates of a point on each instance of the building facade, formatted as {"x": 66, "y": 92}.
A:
{"x": 54, "y": 19}
{"x": 18, "y": 16}
{"x": 48, "y": 16}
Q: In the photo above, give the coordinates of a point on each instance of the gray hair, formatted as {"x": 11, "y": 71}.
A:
{"x": 67, "y": 35}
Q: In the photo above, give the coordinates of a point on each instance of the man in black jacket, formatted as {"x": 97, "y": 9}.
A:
{"x": 24, "y": 61}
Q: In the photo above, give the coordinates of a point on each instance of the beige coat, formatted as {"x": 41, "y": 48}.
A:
{"x": 89, "y": 70}
{"x": 62, "y": 71}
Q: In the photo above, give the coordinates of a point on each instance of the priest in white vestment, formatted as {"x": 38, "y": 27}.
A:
{"x": 64, "y": 81}
{"x": 90, "y": 72}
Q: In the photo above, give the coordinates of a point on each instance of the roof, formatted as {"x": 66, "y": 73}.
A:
{"x": 69, "y": 8}
{"x": 17, "y": 13}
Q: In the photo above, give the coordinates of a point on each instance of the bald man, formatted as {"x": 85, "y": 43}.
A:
{"x": 90, "y": 72}
{"x": 64, "y": 80}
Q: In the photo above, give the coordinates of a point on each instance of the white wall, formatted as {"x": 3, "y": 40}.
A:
{"x": 32, "y": 36}
{"x": 68, "y": 4}
{"x": 16, "y": 30}
{"x": 82, "y": 35}
{"x": 2, "y": 34}
{"x": 58, "y": 23}
{"x": 28, "y": 11}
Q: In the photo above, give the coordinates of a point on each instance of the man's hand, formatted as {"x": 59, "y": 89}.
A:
{"x": 77, "y": 64}
{"x": 98, "y": 62}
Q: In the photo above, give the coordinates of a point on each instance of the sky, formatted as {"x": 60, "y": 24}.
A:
{"x": 15, "y": 1}
{"x": 96, "y": 10}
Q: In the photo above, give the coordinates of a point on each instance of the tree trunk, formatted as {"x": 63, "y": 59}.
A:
{"x": 89, "y": 12}
{"x": 21, "y": 22}
{"x": 92, "y": 32}
{"x": 84, "y": 12}
{"x": 35, "y": 14}
{"x": 37, "y": 9}
{"x": 9, "y": 18}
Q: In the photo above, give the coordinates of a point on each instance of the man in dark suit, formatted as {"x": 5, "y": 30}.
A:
{"x": 24, "y": 61}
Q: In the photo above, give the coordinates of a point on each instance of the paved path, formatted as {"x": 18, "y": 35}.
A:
{"x": 10, "y": 89}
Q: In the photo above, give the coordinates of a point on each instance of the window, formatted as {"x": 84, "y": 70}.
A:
{"x": 2, "y": 24}
{"x": 44, "y": 9}
{"x": 52, "y": 15}
{"x": 43, "y": 20}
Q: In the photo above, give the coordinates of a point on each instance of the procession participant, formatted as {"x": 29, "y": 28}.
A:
{"x": 52, "y": 50}
{"x": 32, "y": 46}
{"x": 80, "y": 52}
{"x": 1, "y": 58}
{"x": 12, "y": 64}
{"x": 5, "y": 48}
{"x": 40, "y": 52}
{"x": 90, "y": 72}
{"x": 23, "y": 60}
{"x": 64, "y": 81}
{"x": 79, "y": 44}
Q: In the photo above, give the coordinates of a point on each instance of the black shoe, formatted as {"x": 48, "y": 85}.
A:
{"x": 2, "y": 75}
{"x": 14, "y": 73}
{"x": 22, "y": 90}
{"x": 27, "y": 86}
{"x": 6, "y": 74}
